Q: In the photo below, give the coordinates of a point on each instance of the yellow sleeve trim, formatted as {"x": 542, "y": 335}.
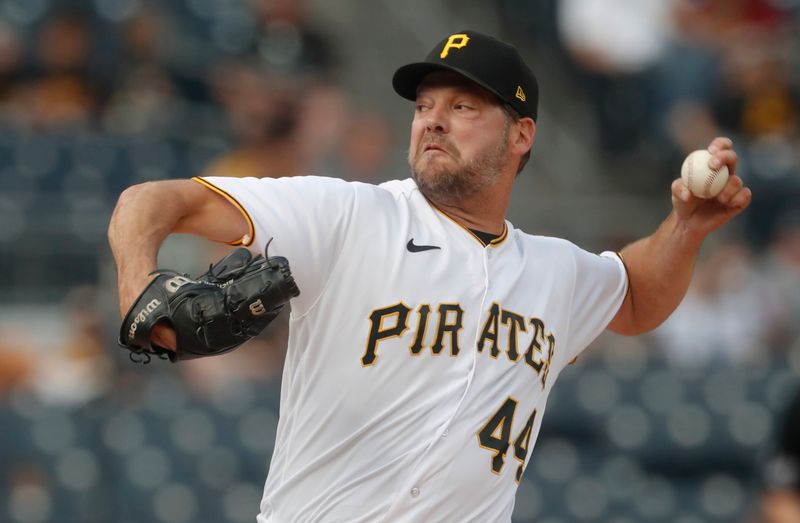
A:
{"x": 248, "y": 238}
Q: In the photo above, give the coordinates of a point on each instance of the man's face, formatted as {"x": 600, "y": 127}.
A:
{"x": 459, "y": 138}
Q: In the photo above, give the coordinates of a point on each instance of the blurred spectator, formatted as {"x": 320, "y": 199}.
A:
{"x": 322, "y": 119}
{"x": 16, "y": 363}
{"x": 364, "y": 153}
{"x": 146, "y": 94}
{"x": 729, "y": 73}
{"x": 78, "y": 369}
{"x": 282, "y": 125}
{"x": 144, "y": 101}
{"x": 759, "y": 102}
{"x": 10, "y": 65}
{"x": 780, "y": 497}
{"x": 284, "y": 109}
{"x": 64, "y": 91}
{"x": 614, "y": 37}
{"x": 262, "y": 111}
{"x": 61, "y": 356}
{"x": 151, "y": 37}
{"x": 702, "y": 32}
{"x": 728, "y": 314}
{"x": 288, "y": 40}
{"x": 757, "y": 98}
{"x": 367, "y": 147}
{"x": 782, "y": 268}
{"x": 615, "y": 45}
{"x": 715, "y": 23}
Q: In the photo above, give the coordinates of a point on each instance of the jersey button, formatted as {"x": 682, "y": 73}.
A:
{"x": 414, "y": 492}
{"x": 445, "y": 433}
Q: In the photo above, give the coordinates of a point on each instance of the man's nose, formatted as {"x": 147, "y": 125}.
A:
{"x": 435, "y": 120}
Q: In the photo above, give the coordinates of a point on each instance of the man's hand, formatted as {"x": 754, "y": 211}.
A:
{"x": 660, "y": 265}
{"x": 700, "y": 217}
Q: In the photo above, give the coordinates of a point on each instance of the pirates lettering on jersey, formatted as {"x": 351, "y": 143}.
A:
{"x": 536, "y": 355}
{"x": 378, "y": 332}
{"x": 393, "y": 321}
{"x": 424, "y": 310}
{"x": 450, "y": 322}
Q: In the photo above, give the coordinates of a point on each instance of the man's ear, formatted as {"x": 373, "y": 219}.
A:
{"x": 525, "y": 132}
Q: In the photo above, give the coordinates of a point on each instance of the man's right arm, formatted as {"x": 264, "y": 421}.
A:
{"x": 146, "y": 214}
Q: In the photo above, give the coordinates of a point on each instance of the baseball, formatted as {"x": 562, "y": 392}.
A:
{"x": 702, "y": 180}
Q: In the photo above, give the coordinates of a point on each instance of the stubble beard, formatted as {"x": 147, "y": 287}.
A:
{"x": 440, "y": 182}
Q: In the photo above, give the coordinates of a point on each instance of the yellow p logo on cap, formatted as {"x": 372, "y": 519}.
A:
{"x": 456, "y": 41}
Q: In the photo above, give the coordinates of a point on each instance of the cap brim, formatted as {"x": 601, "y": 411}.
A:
{"x": 407, "y": 78}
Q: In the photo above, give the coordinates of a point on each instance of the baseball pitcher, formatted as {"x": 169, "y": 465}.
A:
{"x": 426, "y": 331}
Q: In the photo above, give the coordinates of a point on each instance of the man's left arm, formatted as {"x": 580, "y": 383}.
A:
{"x": 660, "y": 265}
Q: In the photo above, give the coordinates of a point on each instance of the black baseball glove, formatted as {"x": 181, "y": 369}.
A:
{"x": 215, "y": 313}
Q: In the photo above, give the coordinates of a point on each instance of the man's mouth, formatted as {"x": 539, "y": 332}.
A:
{"x": 433, "y": 147}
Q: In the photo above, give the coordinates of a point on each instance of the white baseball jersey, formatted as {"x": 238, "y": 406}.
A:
{"x": 419, "y": 359}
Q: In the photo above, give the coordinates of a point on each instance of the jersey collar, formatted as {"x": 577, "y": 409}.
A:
{"x": 494, "y": 243}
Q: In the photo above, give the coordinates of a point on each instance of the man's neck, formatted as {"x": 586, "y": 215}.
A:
{"x": 485, "y": 211}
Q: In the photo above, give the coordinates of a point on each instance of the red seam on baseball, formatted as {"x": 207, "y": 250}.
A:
{"x": 710, "y": 181}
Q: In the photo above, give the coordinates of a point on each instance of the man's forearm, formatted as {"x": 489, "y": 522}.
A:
{"x": 659, "y": 272}
{"x": 144, "y": 216}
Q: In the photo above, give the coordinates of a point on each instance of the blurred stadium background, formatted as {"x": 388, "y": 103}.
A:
{"x": 96, "y": 95}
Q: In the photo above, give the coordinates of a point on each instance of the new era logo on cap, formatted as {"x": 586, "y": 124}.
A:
{"x": 492, "y": 64}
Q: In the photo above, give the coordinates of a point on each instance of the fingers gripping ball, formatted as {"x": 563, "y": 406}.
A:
{"x": 699, "y": 178}
{"x": 212, "y": 314}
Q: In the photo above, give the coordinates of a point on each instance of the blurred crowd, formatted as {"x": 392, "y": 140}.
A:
{"x": 257, "y": 80}
{"x": 261, "y": 82}
{"x": 662, "y": 78}
{"x": 260, "y": 72}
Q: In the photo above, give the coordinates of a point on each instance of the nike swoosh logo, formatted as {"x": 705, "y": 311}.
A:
{"x": 419, "y": 248}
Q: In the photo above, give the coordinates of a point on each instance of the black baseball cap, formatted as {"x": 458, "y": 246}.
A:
{"x": 490, "y": 63}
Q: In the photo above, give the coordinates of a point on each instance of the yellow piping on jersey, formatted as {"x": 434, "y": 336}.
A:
{"x": 500, "y": 239}
{"x": 251, "y": 234}
{"x": 494, "y": 243}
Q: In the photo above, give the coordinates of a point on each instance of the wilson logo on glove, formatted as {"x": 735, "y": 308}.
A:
{"x": 173, "y": 284}
{"x": 257, "y": 308}
{"x": 143, "y": 314}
